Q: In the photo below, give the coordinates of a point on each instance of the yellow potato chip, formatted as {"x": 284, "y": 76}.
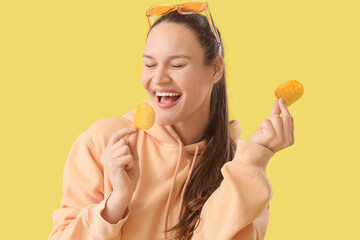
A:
{"x": 145, "y": 116}
{"x": 290, "y": 91}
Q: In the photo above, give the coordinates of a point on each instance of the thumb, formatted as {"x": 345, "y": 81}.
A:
{"x": 275, "y": 109}
{"x": 132, "y": 139}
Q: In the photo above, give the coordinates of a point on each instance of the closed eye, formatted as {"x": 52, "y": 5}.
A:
{"x": 175, "y": 66}
{"x": 178, "y": 66}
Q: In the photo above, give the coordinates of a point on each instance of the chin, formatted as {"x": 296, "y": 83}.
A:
{"x": 164, "y": 120}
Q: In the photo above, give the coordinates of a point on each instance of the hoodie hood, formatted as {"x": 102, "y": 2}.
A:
{"x": 165, "y": 135}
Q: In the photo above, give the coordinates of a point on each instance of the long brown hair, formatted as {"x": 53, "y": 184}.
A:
{"x": 206, "y": 176}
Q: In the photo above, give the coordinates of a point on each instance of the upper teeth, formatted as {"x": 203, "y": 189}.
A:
{"x": 167, "y": 94}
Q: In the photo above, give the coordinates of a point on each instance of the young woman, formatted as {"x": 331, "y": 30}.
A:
{"x": 190, "y": 176}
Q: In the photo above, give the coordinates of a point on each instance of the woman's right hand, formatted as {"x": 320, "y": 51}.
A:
{"x": 121, "y": 162}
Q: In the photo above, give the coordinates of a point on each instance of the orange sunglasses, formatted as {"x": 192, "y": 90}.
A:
{"x": 185, "y": 8}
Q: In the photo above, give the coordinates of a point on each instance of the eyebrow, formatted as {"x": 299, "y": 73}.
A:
{"x": 171, "y": 57}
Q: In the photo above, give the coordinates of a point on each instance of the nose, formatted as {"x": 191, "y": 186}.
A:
{"x": 161, "y": 76}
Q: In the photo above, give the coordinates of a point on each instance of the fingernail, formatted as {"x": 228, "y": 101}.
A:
{"x": 281, "y": 100}
{"x": 133, "y": 128}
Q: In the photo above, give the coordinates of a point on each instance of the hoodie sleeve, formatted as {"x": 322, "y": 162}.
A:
{"x": 79, "y": 216}
{"x": 239, "y": 208}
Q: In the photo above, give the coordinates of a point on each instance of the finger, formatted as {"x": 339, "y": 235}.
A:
{"x": 276, "y": 121}
{"x": 286, "y": 120}
{"x": 266, "y": 124}
{"x": 118, "y": 144}
{"x": 133, "y": 145}
{"x": 283, "y": 107}
{"x": 123, "y": 150}
{"x": 130, "y": 163}
{"x": 120, "y": 134}
{"x": 124, "y": 162}
{"x": 275, "y": 109}
{"x": 292, "y": 131}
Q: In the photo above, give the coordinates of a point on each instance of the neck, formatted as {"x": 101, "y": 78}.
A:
{"x": 192, "y": 129}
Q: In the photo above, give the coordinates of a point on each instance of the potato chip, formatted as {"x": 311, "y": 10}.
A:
{"x": 290, "y": 91}
{"x": 145, "y": 116}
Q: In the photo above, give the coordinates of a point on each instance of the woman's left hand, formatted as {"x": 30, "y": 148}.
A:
{"x": 276, "y": 132}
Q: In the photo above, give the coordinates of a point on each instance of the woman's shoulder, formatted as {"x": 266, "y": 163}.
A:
{"x": 107, "y": 126}
{"x": 99, "y": 132}
{"x": 102, "y": 129}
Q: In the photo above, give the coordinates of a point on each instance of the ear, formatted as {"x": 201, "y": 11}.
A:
{"x": 217, "y": 69}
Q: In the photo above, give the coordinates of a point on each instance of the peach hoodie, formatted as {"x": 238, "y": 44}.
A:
{"x": 238, "y": 209}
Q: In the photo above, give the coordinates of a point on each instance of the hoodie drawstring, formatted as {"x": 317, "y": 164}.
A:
{"x": 173, "y": 184}
{"x": 187, "y": 180}
{"x": 171, "y": 189}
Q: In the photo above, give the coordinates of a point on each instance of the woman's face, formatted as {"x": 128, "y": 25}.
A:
{"x": 173, "y": 63}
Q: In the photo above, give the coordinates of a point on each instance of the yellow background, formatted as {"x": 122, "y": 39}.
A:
{"x": 66, "y": 64}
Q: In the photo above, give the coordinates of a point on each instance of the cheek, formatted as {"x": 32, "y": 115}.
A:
{"x": 197, "y": 85}
{"x": 144, "y": 79}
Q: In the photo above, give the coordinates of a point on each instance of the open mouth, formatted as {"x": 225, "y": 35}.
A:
{"x": 166, "y": 98}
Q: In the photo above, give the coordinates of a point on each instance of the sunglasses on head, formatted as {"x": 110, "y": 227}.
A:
{"x": 185, "y": 8}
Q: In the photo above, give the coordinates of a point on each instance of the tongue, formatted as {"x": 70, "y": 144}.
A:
{"x": 168, "y": 99}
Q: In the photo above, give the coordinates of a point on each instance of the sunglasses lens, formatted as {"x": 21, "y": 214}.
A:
{"x": 159, "y": 10}
{"x": 190, "y": 7}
